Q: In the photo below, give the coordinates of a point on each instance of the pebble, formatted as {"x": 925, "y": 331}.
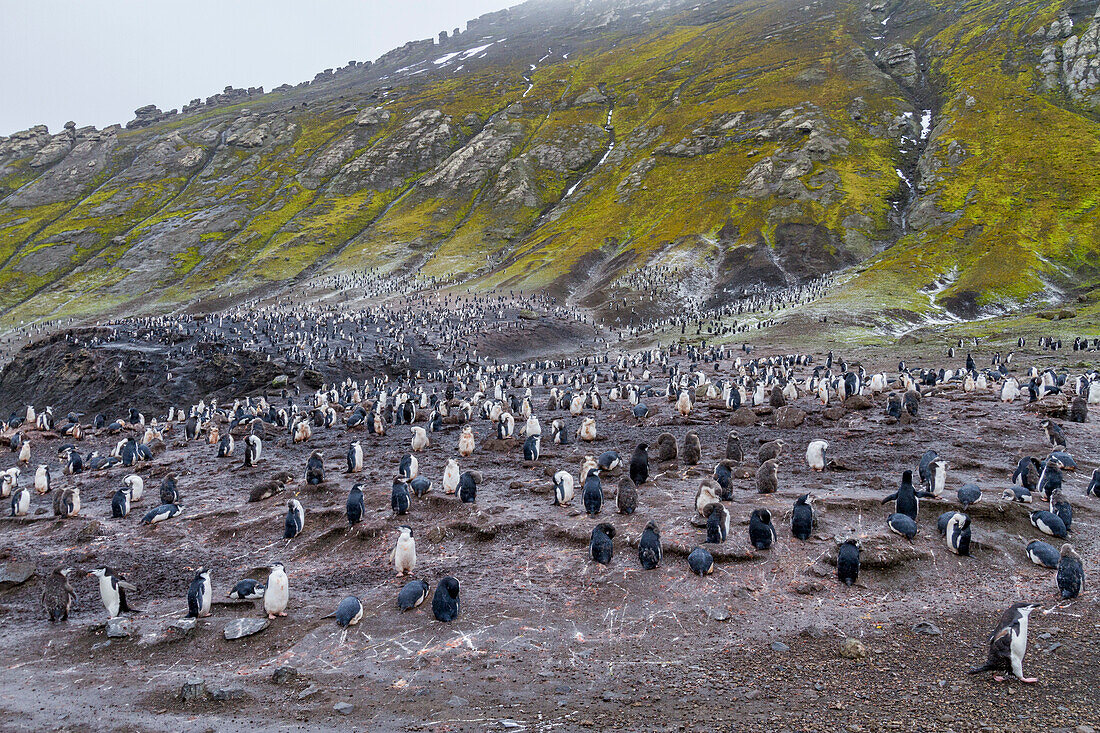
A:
{"x": 119, "y": 627}
{"x": 311, "y": 690}
{"x": 927, "y": 628}
{"x": 239, "y": 628}
{"x": 853, "y": 649}
{"x": 193, "y": 689}
{"x": 343, "y": 708}
{"x": 283, "y": 674}
{"x": 229, "y": 693}
{"x": 778, "y": 646}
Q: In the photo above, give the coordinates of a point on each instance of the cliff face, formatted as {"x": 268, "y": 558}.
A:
{"x": 943, "y": 155}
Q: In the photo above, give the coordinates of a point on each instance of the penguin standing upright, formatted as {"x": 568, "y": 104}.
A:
{"x": 600, "y": 547}
{"x": 906, "y": 499}
{"x": 467, "y": 486}
{"x": 1094, "y": 485}
{"x": 531, "y": 447}
{"x": 355, "y": 457}
{"x": 815, "y": 454}
{"x": 767, "y": 477}
{"x": 802, "y": 518}
{"x": 761, "y": 532}
{"x": 639, "y": 464}
{"x": 692, "y": 451}
{"x": 847, "y": 561}
{"x": 199, "y": 595}
{"x": 295, "y": 519}
{"x": 120, "y": 503}
{"x": 445, "y": 600}
{"x": 1071, "y": 573}
{"x": 563, "y": 488}
{"x": 276, "y": 591}
{"x": 649, "y": 547}
{"x": 734, "y": 452}
{"x": 1008, "y": 643}
{"x": 592, "y": 494}
{"x": 403, "y": 554}
{"x": 42, "y": 483}
{"x": 253, "y": 447}
{"x": 626, "y": 496}
{"x": 399, "y": 497}
{"x": 957, "y": 535}
{"x": 315, "y": 468}
{"x": 718, "y": 522}
{"x": 58, "y": 595}
{"x": 356, "y": 506}
{"x": 112, "y": 591}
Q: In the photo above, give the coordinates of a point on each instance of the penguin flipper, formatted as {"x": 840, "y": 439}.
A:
{"x": 891, "y": 497}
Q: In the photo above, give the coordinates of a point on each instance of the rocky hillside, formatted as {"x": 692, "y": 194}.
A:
{"x": 941, "y": 156}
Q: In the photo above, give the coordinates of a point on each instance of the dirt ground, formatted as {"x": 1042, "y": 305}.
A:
{"x": 546, "y": 639}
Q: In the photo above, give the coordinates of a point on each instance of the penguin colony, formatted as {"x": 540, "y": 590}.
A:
{"x": 470, "y": 408}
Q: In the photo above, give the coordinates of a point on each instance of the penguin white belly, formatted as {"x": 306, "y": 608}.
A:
{"x": 276, "y": 594}
{"x": 1018, "y": 648}
{"x": 110, "y": 597}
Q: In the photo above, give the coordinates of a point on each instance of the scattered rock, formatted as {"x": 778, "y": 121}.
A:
{"x": 343, "y": 708}
{"x": 282, "y": 675}
{"x": 718, "y": 614}
{"x": 743, "y": 417}
{"x": 308, "y": 692}
{"x": 193, "y": 689}
{"x": 242, "y": 627}
{"x": 853, "y": 649}
{"x": 778, "y": 646}
{"x": 927, "y": 628}
{"x": 16, "y": 573}
{"x": 229, "y": 693}
{"x": 789, "y": 417}
{"x": 119, "y": 627}
{"x": 179, "y": 629}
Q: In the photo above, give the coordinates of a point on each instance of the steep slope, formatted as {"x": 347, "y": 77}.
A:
{"x": 941, "y": 156}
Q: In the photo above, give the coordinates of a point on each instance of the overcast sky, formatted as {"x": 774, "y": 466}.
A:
{"x": 95, "y": 62}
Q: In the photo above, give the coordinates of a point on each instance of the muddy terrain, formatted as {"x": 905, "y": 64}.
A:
{"x": 546, "y": 639}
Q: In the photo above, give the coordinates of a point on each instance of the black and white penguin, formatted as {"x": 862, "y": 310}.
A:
{"x": 701, "y": 562}
{"x": 639, "y": 464}
{"x": 356, "y": 505}
{"x": 893, "y": 405}
{"x": 692, "y": 451}
{"x": 199, "y": 595}
{"x": 1017, "y": 494}
{"x": 253, "y": 447}
{"x": 718, "y": 522}
{"x": 1027, "y": 473}
{"x": 413, "y": 594}
{"x": 600, "y": 548}
{"x": 1048, "y": 523}
{"x": 723, "y": 474}
{"x": 348, "y": 613}
{"x": 20, "y": 501}
{"x": 420, "y": 486}
{"x": 58, "y": 595}
{"x": 1008, "y": 643}
{"x": 626, "y": 496}
{"x": 609, "y": 461}
{"x": 592, "y": 493}
{"x": 1060, "y": 506}
{"x": 315, "y": 468}
{"x": 467, "y": 486}
{"x": 1054, "y": 433}
{"x": 399, "y": 497}
{"x": 120, "y": 503}
{"x": 902, "y": 524}
{"x": 355, "y": 457}
{"x": 161, "y": 513}
{"x": 957, "y": 534}
{"x": 847, "y": 561}
{"x": 247, "y": 590}
{"x": 136, "y": 485}
{"x": 803, "y": 518}
{"x": 761, "y": 532}
{"x": 295, "y": 519}
{"x": 445, "y": 600}
{"x": 969, "y": 494}
{"x": 531, "y": 447}
{"x": 649, "y": 547}
{"x": 112, "y": 591}
{"x": 906, "y": 499}
{"x": 408, "y": 467}
{"x": 1094, "y": 485}
{"x": 640, "y": 410}
{"x": 563, "y": 488}
{"x": 911, "y": 402}
{"x": 1050, "y": 480}
{"x": 944, "y": 520}
{"x": 1043, "y": 553}
{"x": 1071, "y": 573}
{"x": 225, "y": 446}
